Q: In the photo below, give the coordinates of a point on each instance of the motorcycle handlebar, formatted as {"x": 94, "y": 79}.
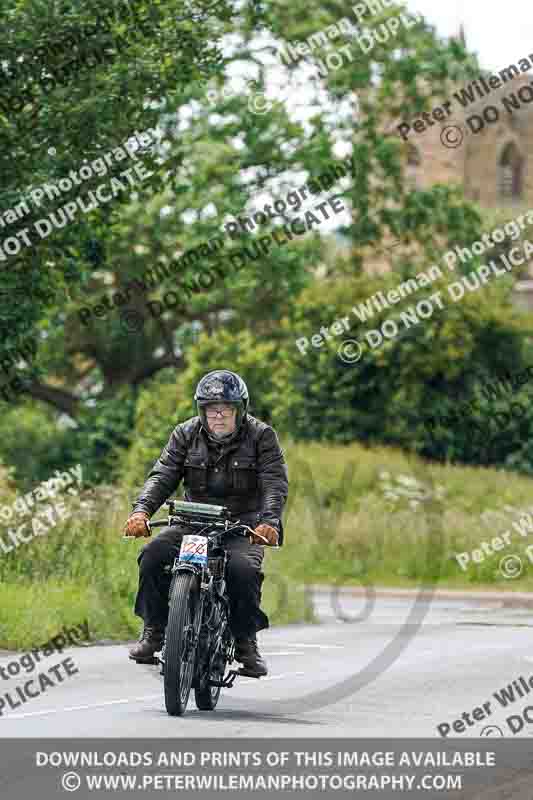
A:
{"x": 236, "y": 527}
{"x": 245, "y": 530}
{"x": 159, "y": 524}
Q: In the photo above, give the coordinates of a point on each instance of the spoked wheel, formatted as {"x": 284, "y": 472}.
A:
{"x": 206, "y": 696}
{"x": 179, "y": 649}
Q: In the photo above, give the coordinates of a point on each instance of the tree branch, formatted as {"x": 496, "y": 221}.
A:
{"x": 167, "y": 335}
{"x": 58, "y": 398}
{"x": 147, "y": 370}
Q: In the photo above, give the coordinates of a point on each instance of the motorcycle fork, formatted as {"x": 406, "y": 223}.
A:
{"x": 206, "y": 583}
{"x": 197, "y": 624}
{"x": 193, "y": 642}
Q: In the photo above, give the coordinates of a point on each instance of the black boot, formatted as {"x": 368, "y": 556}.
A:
{"x": 150, "y": 642}
{"x": 247, "y": 653}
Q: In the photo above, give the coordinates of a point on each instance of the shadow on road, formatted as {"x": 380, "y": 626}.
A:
{"x": 236, "y": 714}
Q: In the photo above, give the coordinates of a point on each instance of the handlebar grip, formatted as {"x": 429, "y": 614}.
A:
{"x": 149, "y": 526}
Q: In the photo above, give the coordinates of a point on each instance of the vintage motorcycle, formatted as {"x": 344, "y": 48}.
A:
{"x": 198, "y": 641}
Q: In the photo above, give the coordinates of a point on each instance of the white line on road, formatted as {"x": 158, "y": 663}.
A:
{"x": 134, "y": 699}
{"x": 80, "y": 708}
{"x": 323, "y": 646}
{"x": 285, "y": 653}
{"x": 271, "y": 678}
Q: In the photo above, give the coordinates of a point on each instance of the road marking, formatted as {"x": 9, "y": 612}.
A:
{"x": 133, "y": 699}
{"x": 323, "y": 646}
{"x": 270, "y": 678}
{"x": 285, "y": 653}
{"x": 79, "y": 708}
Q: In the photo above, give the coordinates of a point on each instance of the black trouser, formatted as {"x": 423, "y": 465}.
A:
{"x": 243, "y": 575}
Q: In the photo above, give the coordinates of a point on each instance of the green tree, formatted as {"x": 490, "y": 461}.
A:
{"x": 398, "y": 386}
{"x": 49, "y": 128}
{"x": 218, "y": 159}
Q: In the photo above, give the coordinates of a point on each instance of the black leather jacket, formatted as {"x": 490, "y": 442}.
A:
{"x": 248, "y": 475}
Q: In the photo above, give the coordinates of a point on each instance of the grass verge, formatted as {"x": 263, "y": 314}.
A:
{"x": 355, "y": 516}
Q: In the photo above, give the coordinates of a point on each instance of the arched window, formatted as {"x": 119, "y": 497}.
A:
{"x": 510, "y": 173}
{"x": 413, "y": 156}
{"x": 412, "y": 171}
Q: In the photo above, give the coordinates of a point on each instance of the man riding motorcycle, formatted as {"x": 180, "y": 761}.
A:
{"x": 226, "y": 457}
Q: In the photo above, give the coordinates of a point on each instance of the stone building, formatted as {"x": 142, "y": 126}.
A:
{"x": 484, "y": 142}
{"x": 493, "y": 162}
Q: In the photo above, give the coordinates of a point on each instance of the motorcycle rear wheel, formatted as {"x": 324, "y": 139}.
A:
{"x": 207, "y": 696}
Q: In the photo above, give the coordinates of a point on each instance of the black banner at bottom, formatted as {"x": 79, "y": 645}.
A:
{"x": 491, "y": 769}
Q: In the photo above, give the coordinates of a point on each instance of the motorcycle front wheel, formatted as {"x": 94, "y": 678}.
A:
{"x": 180, "y": 648}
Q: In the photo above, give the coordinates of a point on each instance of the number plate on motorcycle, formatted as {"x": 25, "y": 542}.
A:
{"x": 194, "y": 549}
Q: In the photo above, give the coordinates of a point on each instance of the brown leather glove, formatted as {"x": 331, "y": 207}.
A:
{"x": 135, "y": 525}
{"x": 270, "y": 534}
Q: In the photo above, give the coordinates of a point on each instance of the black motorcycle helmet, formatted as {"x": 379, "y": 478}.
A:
{"x": 222, "y": 386}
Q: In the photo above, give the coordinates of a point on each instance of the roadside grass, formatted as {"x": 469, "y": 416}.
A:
{"x": 384, "y": 517}
{"x": 355, "y": 516}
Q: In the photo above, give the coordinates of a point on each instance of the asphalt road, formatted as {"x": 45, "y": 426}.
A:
{"x": 463, "y": 652}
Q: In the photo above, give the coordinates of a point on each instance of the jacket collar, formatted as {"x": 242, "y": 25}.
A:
{"x": 228, "y": 446}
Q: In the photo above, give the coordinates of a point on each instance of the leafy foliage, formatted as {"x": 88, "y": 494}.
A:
{"x": 213, "y": 162}
{"x": 390, "y": 394}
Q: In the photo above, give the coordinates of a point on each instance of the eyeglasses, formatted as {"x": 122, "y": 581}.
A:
{"x": 224, "y": 413}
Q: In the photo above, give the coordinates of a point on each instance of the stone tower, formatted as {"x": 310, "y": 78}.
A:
{"x": 494, "y": 162}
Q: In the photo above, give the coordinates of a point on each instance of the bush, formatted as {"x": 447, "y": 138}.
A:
{"x": 35, "y": 444}
{"x": 32, "y": 443}
{"x": 389, "y": 395}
